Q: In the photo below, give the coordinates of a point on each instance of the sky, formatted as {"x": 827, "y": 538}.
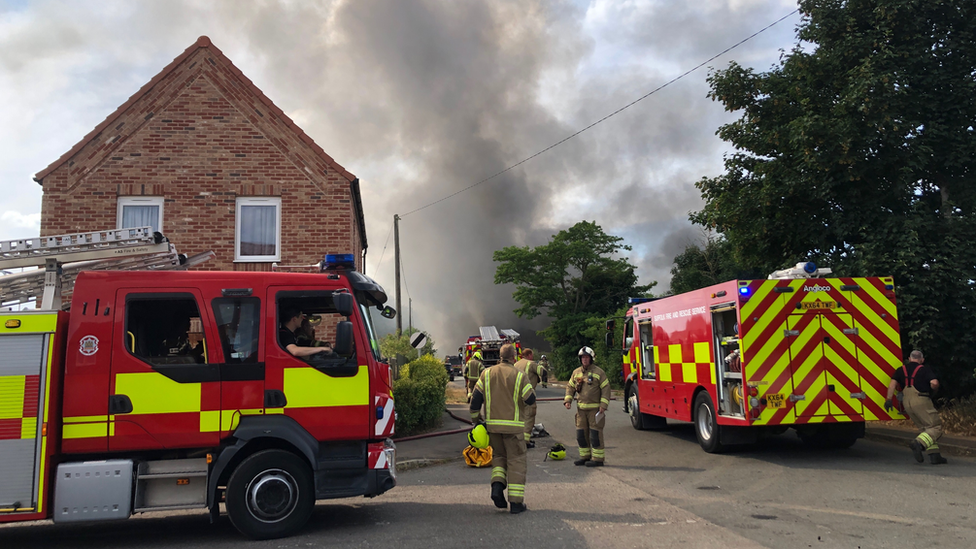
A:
{"x": 420, "y": 99}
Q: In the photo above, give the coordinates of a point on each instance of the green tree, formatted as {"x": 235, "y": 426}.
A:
{"x": 574, "y": 278}
{"x": 392, "y": 345}
{"x": 858, "y": 151}
{"x": 711, "y": 263}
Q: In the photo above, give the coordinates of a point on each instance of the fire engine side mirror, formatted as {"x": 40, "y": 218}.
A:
{"x": 610, "y": 339}
{"x": 388, "y": 312}
{"x": 344, "y": 303}
{"x": 611, "y": 324}
{"x": 343, "y": 342}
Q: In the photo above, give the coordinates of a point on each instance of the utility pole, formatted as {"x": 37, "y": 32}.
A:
{"x": 410, "y": 314}
{"x": 396, "y": 253}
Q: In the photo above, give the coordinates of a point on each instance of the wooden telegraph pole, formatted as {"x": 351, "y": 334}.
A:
{"x": 396, "y": 253}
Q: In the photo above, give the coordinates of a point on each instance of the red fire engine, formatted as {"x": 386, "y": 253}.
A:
{"x": 489, "y": 342}
{"x": 749, "y": 358}
{"x": 172, "y": 390}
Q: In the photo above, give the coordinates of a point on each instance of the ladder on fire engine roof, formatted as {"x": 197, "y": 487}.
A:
{"x": 512, "y": 335}
{"x": 64, "y": 256}
{"x": 489, "y": 333}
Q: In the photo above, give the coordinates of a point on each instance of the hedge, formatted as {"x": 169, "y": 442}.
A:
{"x": 419, "y": 394}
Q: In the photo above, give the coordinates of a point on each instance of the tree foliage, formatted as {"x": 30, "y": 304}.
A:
{"x": 858, "y": 151}
{"x": 392, "y": 345}
{"x": 574, "y": 278}
{"x": 711, "y": 263}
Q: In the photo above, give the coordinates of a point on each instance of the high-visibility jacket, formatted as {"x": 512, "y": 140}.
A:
{"x": 475, "y": 368}
{"x": 505, "y": 391}
{"x": 531, "y": 369}
{"x": 592, "y": 387}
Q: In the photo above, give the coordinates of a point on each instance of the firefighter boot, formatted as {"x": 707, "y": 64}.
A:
{"x": 937, "y": 459}
{"x": 518, "y": 508}
{"x": 594, "y": 464}
{"x": 917, "y": 451}
{"x": 581, "y": 461}
{"x": 498, "y": 495}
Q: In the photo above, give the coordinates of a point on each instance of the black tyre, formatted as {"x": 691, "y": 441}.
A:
{"x": 270, "y": 494}
{"x": 707, "y": 429}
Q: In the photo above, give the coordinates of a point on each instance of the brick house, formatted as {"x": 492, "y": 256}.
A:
{"x": 202, "y": 155}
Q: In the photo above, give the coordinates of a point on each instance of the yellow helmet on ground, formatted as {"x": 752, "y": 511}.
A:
{"x": 557, "y": 452}
{"x": 478, "y": 436}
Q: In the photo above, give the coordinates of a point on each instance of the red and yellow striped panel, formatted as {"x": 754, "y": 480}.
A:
{"x": 19, "y": 400}
{"x": 828, "y": 346}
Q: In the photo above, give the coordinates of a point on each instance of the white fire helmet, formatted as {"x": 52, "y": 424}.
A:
{"x": 587, "y": 351}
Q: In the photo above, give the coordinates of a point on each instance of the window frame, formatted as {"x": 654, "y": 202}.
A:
{"x": 124, "y": 201}
{"x": 257, "y": 201}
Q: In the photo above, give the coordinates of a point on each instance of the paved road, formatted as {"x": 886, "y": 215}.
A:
{"x": 659, "y": 490}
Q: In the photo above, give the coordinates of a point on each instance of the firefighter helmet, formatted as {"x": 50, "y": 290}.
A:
{"x": 587, "y": 351}
{"x": 478, "y": 436}
{"x": 476, "y": 355}
{"x": 557, "y": 452}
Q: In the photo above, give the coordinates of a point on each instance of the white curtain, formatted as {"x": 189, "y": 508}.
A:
{"x": 140, "y": 216}
{"x": 258, "y": 230}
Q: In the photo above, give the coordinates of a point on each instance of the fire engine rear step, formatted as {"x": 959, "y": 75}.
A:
{"x": 171, "y": 484}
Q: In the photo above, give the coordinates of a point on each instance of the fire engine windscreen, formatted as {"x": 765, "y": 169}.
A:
{"x": 164, "y": 328}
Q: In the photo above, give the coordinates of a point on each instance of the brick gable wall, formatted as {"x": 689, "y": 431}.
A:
{"x": 200, "y": 137}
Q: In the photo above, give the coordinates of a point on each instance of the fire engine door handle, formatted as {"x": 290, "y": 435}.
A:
{"x": 273, "y": 398}
{"x": 119, "y": 404}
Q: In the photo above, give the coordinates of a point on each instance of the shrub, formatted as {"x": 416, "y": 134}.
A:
{"x": 419, "y": 394}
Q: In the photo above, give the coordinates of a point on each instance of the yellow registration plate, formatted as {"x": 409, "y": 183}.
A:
{"x": 818, "y": 305}
{"x": 775, "y": 400}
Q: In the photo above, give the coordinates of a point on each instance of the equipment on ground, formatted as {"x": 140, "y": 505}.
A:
{"x": 155, "y": 388}
{"x": 557, "y": 452}
{"x": 747, "y": 359}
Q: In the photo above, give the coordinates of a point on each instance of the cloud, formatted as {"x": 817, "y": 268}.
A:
{"x": 421, "y": 99}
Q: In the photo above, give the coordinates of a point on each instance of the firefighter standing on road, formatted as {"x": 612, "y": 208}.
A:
{"x": 544, "y": 370}
{"x": 505, "y": 392}
{"x": 473, "y": 371}
{"x": 530, "y": 368}
{"x": 919, "y": 384}
{"x": 592, "y": 388}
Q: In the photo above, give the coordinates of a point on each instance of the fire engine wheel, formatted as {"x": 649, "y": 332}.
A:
{"x": 270, "y": 494}
{"x": 640, "y": 420}
{"x": 707, "y": 428}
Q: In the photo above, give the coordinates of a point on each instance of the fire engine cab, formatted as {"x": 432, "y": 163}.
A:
{"x": 749, "y": 358}
{"x": 160, "y": 388}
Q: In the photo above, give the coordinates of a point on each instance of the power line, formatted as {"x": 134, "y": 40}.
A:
{"x": 607, "y": 117}
{"x": 380, "y": 262}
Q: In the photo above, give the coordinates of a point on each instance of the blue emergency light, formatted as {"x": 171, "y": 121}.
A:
{"x": 638, "y": 300}
{"x": 339, "y": 261}
{"x": 744, "y": 291}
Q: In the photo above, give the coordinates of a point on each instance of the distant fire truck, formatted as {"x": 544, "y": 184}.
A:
{"x": 162, "y": 389}
{"x": 489, "y": 342}
{"x": 748, "y": 358}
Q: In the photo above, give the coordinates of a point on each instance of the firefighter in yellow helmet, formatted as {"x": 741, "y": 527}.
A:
{"x": 530, "y": 368}
{"x": 591, "y": 387}
{"x": 472, "y": 371}
{"x": 504, "y": 392}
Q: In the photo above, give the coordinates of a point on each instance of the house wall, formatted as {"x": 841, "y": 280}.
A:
{"x": 200, "y": 137}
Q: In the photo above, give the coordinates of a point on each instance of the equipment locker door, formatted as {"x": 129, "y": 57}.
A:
{"x": 843, "y": 371}
{"x": 165, "y": 387}
{"x": 807, "y": 365}
{"x": 21, "y": 381}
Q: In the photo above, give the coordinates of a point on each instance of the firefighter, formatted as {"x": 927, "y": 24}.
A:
{"x": 919, "y": 383}
{"x": 530, "y": 368}
{"x": 544, "y": 371}
{"x": 591, "y": 387}
{"x": 473, "y": 372}
{"x": 504, "y": 392}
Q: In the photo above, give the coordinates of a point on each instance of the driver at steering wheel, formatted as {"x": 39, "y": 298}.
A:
{"x": 291, "y": 320}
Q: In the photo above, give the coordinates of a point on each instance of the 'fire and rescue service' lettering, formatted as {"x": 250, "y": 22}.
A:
{"x": 89, "y": 345}
{"x": 680, "y": 314}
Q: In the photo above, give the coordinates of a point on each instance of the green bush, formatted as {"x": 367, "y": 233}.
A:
{"x": 419, "y": 394}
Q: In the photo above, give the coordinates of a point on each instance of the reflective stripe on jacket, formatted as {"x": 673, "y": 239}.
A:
{"x": 474, "y": 368}
{"x": 531, "y": 369}
{"x": 505, "y": 390}
{"x": 592, "y": 387}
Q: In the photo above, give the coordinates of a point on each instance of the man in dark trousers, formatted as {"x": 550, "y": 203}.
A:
{"x": 919, "y": 385}
{"x": 505, "y": 393}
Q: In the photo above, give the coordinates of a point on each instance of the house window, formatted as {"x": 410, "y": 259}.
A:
{"x": 258, "y": 230}
{"x": 140, "y": 211}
